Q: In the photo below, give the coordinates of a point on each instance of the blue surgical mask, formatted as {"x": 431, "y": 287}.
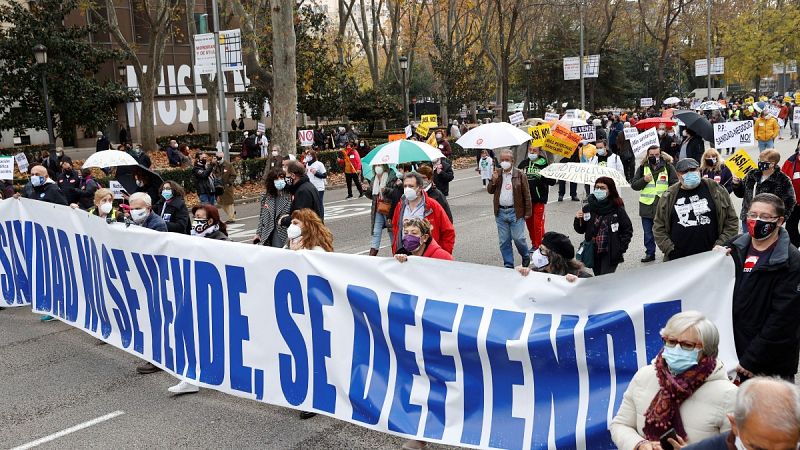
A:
{"x": 280, "y": 184}
{"x": 600, "y": 194}
{"x": 37, "y": 180}
{"x": 691, "y": 180}
{"x": 680, "y": 360}
{"x": 167, "y": 194}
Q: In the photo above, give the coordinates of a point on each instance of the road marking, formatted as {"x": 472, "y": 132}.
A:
{"x": 70, "y": 430}
{"x": 367, "y": 250}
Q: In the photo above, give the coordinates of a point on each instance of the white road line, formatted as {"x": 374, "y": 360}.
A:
{"x": 70, "y": 430}
{"x": 367, "y": 250}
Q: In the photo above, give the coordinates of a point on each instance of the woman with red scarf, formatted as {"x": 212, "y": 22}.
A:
{"x": 685, "y": 388}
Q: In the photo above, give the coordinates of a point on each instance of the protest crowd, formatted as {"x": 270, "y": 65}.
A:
{"x": 686, "y": 397}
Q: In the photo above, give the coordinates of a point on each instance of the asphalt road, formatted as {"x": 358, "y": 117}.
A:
{"x": 55, "y": 379}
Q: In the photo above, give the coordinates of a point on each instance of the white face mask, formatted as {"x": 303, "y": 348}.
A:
{"x": 410, "y": 194}
{"x": 505, "y": 165}
{"x": 105, "y": 208}
{"x": 274, "y": 153}
{"x": 294, "y": 232}
{"x": 379, "y": 170}
{"x": 139, "y": 215}
{"x": 661, "y": 132}
{"x": 539, "y": 260}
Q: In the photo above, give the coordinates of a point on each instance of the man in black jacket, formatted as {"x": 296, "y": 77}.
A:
{"x": 304, "y": 194}
{"x": 766, "y": 296}
{"x": 42, "y": 188}
{"x": 202, "y": 171}
{"x": 443, "y": 175}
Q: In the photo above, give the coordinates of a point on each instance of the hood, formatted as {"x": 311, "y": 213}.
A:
{"x": 779, "y": 256}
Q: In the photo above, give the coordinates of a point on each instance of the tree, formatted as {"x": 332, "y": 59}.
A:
{"x": 372, "y": 106}
{"x": 77, "y": 97}
{"x": 284, "y": 89}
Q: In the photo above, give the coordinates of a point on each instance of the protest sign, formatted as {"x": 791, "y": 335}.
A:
{"x": 261, "y": 128}
{"x": 422, "y": 130}
{"x": 488, "y": 359}
{"x": 630, "y": 133}
{"x": 734, "y": 134}
{"x": 117, "y": 189}
{"x": 797, "y": 99}
{"x": 408, "y": 130}
{"x": 570, "y": 114}
{"x": 796, "y": 116}
{"x": 740, "y": 163}
{"x": 431, "y": 120}
{"x": 22, "y": 162}
{"x": 306, "y": 138}
{"x": 397, "y": 137}
{"x": 645, "y": 102}
{"x": 516, "y": 118}
{"x": 561, "y": 141}
{"x": 695, "y": 105}
{"x": 780, "y": 68}
{"x": 539, "y": 134}
{"x": 588, "y": 133}
{"x": 644, "y": 140}
{"x": 6, "y": 168}
{"x": 548, "y": 116}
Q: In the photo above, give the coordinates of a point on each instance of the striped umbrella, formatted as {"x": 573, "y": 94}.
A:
{"x": 402, "y": 151}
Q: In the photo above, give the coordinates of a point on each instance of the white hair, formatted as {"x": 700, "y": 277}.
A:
{"x": 705, "y": 328}
{"x": 776, "y": 400}
{"x": 507, "y": 151}
{"x": 143, "y": 196}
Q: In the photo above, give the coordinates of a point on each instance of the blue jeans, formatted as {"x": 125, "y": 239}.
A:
{"x": 207, "y": 198}
{"x": 649, "y": 239}
{"x": 510, "y": 228}
{"x": 763, "y": 145}
{"x": 377, "y": 231}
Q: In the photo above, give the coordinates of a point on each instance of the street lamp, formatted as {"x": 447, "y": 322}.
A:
{"x": 527, "y": 65}
{"x": 403, "y": 67}
{"x": 646, "y": 68}
{"x": 40, "y": 53}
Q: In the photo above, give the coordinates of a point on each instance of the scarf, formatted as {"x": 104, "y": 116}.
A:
{"x": 601, "y": 208}
{"x": 204, "y": 229}
{"x": 664, "y": 411}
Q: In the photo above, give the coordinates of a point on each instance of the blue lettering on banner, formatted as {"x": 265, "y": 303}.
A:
{"x": 437, "y": 317}
{"x": 148, "y": 272}
{"x": 320, "y": 294}
{"x": 211, "y": 322}
{"x": 22, "y": 276}
{"x": 506, "y": 431}
{"x": 656, "y": 316}
{"x": 131, "y": 304}
{"x": 44, "y": 293}
{"x": 403, "y": 415}
{"x": 91, "y": 285}
{"x": 120, "y": 312}
{"x": 185, "y": 357}
{"x": 241, "y": 375}
{"x": 168, "y": 310}
{"x": 368, "y": 338}
{"x": 70, "y": 280}
{"x": 7, "y": 285}
{"x": 288, "y": 300}
{"x": 471, "y": 362}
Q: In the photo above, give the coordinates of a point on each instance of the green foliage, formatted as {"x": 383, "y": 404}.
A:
{"x": 372, "y": 105}
{"x": 77, "y": 97}
{"x": 462, "y": 77}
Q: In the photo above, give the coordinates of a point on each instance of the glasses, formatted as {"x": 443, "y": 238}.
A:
{"x": 765, "y": 217}
{"x": 671, "y": 343}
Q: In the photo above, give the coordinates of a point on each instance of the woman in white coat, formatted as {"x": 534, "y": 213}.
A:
{"x": 686, "y": 388}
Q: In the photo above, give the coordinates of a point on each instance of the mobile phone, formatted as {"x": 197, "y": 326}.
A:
{"x": 665, "y": 445}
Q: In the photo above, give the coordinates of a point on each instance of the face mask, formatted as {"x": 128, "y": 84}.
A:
{"x": 671, "y": 133}
{"x": 660, "y": 132}
{"x": 761, "y": 229}
{"x": 199, "y": 226}
{"x": 294, "y": 232}
{"x": 438, "y": 136}
{"x": 532, "y": 156}
{"x": 691, "y": 180}
{"x": 764, "y": 165}
{"x": 410, "y": 194}
{"x": 288, "y": 180}
{"x": 505, "y": 165}
{"x": 601, "y": 151}
{"x": 139, "y": 215}
{"x": 37, "y": 180}
{"x": 411, "y": 242}
{"x": 105, "y": 208}
{"x": 538, "y": 260}
{"x": 379, "y": 170}
{"x": 361, "y": 144}
{"x": 167, "y": 194}
{"x": 139, "y": 183}
{"x": 274, "y": 153}
{"x": 280, "y": 184}
{"x": 711, "y": 161}
{"x": 59, "y": 154}
{"x": 680, "y": 360}
{"x": 600, "y": 194}
{"x": 653, "y": 160}
{"x": 684, "y": 133}
{"x": 307, "y": 159}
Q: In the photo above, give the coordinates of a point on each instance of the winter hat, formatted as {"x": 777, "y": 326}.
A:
{"x": 559, "y": 243}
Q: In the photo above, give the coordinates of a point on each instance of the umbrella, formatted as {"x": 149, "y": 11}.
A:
{"x": 583, "y": 173}
{"x": 110, "y": 158}
{"x": 128, "y": 180}
{"x": 696, "y": 123}
{"x": 402, "y": 151}
{"x": 710, "y": 106}
{"x": 653, "y": 122}
{"x": 760, "y": 106}
{"x": 493, "y": 135}
{"x": 672, "y": 101}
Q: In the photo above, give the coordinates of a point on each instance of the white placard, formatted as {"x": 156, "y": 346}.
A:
{"x": 205, "y": 60}
{"x": 644, "y": 140}
{"x": 734, "y": 134}
{"x": 306, "y": 137}
{"x": 117, "y": 189}
{"x": 516, "y": 118}
{"x": 773, "y": 111}
{"x": 630, "y": 133}
{"x": 701, "y": 67}
{"x": 548, "y": 116}
{"x": 796, "y": 115}
{"x": 6, "y": 168}
{"x": 588, "y": 133}
{"x": 22, "y": 162}
{"x": 261, "y": 127}
{"x": 591, "y": 67}
{"x": 230, "y": 50}
{"x": 695, "y": 104}
{"x": 645, "y": 102}
{"x": 409, "y": 131}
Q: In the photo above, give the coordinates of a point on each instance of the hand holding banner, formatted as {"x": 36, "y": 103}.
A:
{"x": 740, "y": 163}
{"x": 562, "y": 141}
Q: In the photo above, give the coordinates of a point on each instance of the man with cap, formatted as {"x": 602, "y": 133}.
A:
{"x": 102, "y": 142}
{"x": 693, "y": 215}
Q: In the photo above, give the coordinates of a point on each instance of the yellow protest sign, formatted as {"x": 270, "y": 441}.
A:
{"x": 397, "y": 137}
{"x": 749, "y": 100}
{"x": 797, "y": 99}
{"x": 562, "y": 141}
{"x": 787, "y": 99}
{"x": 430, "y": 120}
{"x": 740, "y": 163}
{"x": 539, "y": 134}
{"x": 423, "y": 130}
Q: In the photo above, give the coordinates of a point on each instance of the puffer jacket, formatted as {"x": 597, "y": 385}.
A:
{"x": 777, "y": 183}
{"x": 704, "y": 413}
{"x": 766, "y": 129}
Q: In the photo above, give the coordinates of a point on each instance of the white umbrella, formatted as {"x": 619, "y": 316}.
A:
{"x": 110, "y": 158}
{"x": 493, "y": 135}
{"x": 672, "y": 101}
{"x": 583, "y": 173}
{"x": 709, "y": 106}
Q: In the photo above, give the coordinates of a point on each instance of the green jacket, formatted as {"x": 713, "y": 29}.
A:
{"x": 727, "y": 223}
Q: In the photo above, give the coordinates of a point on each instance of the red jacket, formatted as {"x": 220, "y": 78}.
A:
{"x": 436, "y": 252}
{"x": 443, "y": 231}
{"x": 350, "y": 160}
{"x": 791, "y": 167}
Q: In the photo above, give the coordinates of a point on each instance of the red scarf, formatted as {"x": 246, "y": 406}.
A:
{"x": 664, "y": 411}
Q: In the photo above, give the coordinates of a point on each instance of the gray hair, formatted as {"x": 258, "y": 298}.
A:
{"x": 776, "y": 399}
{"x": 143, "y": 196}
{"x": 709, "y": 335}
{"x": 416, "y": 176}
{"x": 507, "y": 151}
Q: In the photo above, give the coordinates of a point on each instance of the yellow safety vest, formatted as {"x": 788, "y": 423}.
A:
{"x": 655, "y": 188}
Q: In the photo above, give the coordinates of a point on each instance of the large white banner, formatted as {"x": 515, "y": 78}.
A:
{"x": 734, "y": 134}
{"x": 443, "y": 351}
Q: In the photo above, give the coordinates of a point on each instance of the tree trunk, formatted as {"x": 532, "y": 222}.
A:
{"x": 213, "y": 119}
{"x": 443, "y": 105}
{"x": 284, "y": 99}
{"x": 504, "y": 88}
{"x": 147, "y": 90}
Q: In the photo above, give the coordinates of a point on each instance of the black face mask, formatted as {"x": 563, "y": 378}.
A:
{"x": 711, "y": 162}
{"x": 760, "y": 229}
{"x": 653, "y": 160}
{"x": 764, "y": 165}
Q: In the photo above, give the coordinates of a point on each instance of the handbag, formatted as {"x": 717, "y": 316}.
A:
{"x": 384, "y": 207}
{"x": 585, "y": 253}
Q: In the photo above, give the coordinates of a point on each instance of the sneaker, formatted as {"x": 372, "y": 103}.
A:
{"x": 147, "y": 368}
{"x": 184, "y": 387}
{"x": 305, "y": 415}
{"x": 561, "y": 199}
{"x": 648, "y": 258}
{"x": 412, "y": 444}
{"x": 47, "y": 318}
